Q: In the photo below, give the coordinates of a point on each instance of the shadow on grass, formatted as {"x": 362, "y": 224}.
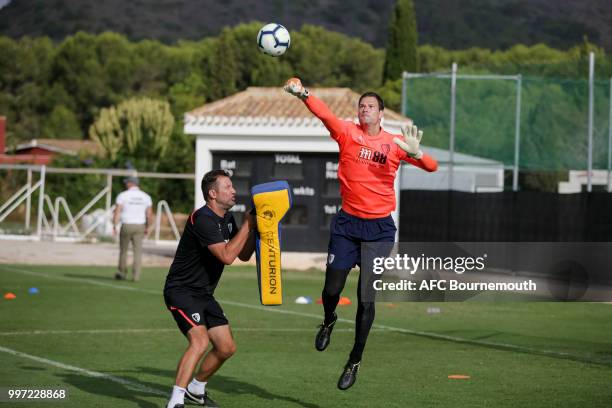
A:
{"x": 231, "y": 385}
{"x": 31, "y": 368}
{"x": 107, "y": 388}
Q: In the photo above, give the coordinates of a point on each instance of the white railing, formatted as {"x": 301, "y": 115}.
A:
{"x": 16, "y": 199}
{"x": 45, "y": 225}
{"x": 162, "y": 206}
{"x": 56, "y": 213}
{"x": 84, "y": 210}
{"x": 48, "y": 220}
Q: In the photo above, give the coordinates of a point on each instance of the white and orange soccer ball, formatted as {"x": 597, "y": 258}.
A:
{"x": 273, "y": 39}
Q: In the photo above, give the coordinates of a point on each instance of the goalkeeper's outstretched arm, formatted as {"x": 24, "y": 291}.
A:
{"x": 426, "y": 162}
{"x": 316, "y": 106}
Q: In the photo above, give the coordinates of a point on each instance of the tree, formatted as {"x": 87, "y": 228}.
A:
{"x": 402, "y": 43}
{"x": 223, "y": 66}
{"x": 187, "y": 95}
{"x": 326, "y": 58}
{"x": 61, "y": 123}
{"x": 138, "y": 128}
{"x": 253, "y": 67}
{"x": 115, "y": 56}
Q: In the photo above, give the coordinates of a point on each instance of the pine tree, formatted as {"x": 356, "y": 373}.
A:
{"x": 402, "y": 42}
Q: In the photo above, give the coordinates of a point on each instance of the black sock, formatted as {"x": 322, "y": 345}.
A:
{"x": 363, "y": 323}
{"x": 334, "y": 283}
{"x": 329, "y": 305}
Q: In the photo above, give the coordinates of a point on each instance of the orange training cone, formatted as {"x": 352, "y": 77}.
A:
{"x": 9, "y": 296}
{"x": 344, "y": 301}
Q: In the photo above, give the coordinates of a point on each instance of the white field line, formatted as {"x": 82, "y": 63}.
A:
{"x": 436, "y": 336}
{"x": 130, "y": 384}
{"x": 145, "y": 331}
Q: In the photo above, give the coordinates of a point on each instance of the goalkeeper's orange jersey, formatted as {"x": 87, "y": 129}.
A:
{"x": 367, "y": 164}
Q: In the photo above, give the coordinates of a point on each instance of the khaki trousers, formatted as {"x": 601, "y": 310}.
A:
{"x": 131, "y": 233}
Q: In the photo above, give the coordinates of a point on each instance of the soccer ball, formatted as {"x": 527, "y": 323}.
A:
{"x": 273, "y": 39}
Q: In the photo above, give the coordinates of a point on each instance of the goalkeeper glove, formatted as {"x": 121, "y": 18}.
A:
{"x": 294, "y": 87}
{"x": 411, "y": 141}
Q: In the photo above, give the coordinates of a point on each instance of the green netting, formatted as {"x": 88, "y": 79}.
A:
{"x": 553, "y": 125}
{"x": 428, "y": 104}
{"x": 486, "y": 128}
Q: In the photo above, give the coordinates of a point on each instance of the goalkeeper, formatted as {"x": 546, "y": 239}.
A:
{"x": 368, "y": 161}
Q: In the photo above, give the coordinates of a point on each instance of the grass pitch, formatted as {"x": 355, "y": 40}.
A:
{"x": 113, "y": 344}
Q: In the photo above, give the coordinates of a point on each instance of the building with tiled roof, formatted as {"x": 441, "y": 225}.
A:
{"x": 59, "y": 146}
{"x": 42, "y": 151}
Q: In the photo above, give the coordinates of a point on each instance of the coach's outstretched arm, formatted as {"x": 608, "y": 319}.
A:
{"x": 315, "y": 105}
{"x": 242, "y": 245}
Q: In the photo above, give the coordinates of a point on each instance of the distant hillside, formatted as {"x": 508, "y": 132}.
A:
{"x": 455, "y": 24}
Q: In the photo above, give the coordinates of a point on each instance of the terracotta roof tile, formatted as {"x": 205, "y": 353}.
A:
{"x": 256, "y": 102}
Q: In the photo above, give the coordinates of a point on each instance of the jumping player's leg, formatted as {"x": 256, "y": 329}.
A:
{"x": 342, "y": 256}
{"x": 366, "y": 311}
{"x": 379, "y": 231}
{"x": 363, "y": 323}
{"x": 334, "y": 283}
{"x": 381, "y": 235}
{"x": 343, "y": 253}
{"x": 335, "y": 279}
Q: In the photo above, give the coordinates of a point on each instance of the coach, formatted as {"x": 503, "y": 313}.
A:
{"x": 210, "y": 241}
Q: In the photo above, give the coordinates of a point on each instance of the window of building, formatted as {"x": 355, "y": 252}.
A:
{"x": 298, "y": 215}
{"x": 331, "y": 188}
{"x": 242, "y": 186}
{"x": 287, "y": 171}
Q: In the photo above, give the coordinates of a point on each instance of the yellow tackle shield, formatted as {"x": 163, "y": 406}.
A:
{"x": 272, "y": 201}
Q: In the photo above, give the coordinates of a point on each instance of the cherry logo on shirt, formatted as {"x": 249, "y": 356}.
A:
{"x": 385, "y": 148}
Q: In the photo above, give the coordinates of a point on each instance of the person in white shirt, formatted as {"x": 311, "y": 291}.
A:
{"x": 134, "y": 209}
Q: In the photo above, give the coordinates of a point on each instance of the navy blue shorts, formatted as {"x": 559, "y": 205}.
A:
{"x": 347, "y": 232}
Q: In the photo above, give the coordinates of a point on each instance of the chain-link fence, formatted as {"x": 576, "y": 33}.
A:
{"x": 537, "y": 127}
